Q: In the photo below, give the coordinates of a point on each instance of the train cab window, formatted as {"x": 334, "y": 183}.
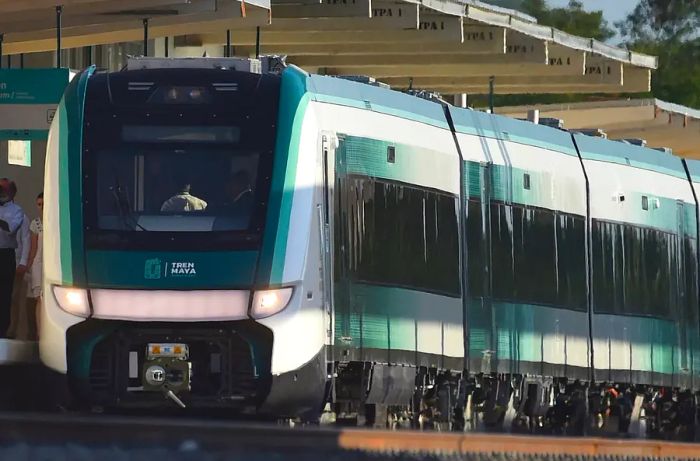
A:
{"x": 192, "y": 171}
{"x": 184, "y": 189}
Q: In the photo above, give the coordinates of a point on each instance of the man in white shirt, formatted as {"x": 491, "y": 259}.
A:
{"x": 183, "y": 201}
{"x": 11, "y": 218}
{"x": 18, "y": 316}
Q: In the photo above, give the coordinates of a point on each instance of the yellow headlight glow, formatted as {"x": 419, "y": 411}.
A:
{"x": 72, "y": 300}
{"x": 270, "y": 302}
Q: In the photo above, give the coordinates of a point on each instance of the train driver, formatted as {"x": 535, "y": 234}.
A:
{"x": 183, "y": 201}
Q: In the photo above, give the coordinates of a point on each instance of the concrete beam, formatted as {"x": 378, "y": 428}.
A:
{"x": 446, "y": 70}
{"x": 485, "y": 39}
{"x": 566, "y": 58}
{"x": 639, "y": 77}
{"x": 326, "y": 9}
{"x": 522, "y": 46}
{"x": 501, "y": 80}
{"x": 270, "y": 36}
{"x": 395, "y": 62}
{"x": 358, "y": 24}
{"x": 353, "y": 49}
{"x": 603, "y": 69}
{"x": 132, "y": 30}
{"x": 14, "y": 6}
{"x": 37, "y": 20}
{"x": 532, "y": 89}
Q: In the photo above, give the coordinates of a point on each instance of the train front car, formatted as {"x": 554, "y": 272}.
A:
{"x": 164, "y": 193}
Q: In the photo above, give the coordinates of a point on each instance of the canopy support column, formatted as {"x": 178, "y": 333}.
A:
{"x": 59, "y": 14}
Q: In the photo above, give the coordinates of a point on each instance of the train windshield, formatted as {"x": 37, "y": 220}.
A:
{"x": 167, "y": 188}
{"x": 189, "y": 173}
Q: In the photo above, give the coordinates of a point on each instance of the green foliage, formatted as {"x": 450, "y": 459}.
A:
{"x": 669, "y": 29}
{"x": 662, "y": 21}
{"x": 572, "y": 19}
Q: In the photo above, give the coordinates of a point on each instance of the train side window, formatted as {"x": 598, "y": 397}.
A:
{"x": 526, "y": 181}
{"x": 477, "y": 241}
{"x": 608, "y": 267}
{"x": 645, "y": 202}
{"x": 391, "y": 154}
{"x": 401, "y": 235}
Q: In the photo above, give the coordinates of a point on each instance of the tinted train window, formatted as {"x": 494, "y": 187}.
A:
{"x": 538, "y": 256}
{"x": 637, "y": 270}
{"x": 399, "y": 235}
{"x": 691, "y": 281}
{"x": 477, "y": 249}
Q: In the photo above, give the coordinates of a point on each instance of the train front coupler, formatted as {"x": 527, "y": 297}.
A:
{"x": 167, "y": 369}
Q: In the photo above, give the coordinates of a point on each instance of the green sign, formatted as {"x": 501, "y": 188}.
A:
{"x": 32, "y": 86}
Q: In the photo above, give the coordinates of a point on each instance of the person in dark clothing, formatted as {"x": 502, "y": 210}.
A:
{"x": 11, "y": 218}
{"x": 236, "y": 206}
{"x": 239, "y": 194}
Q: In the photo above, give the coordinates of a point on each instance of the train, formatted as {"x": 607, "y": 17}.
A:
{"x": 240, "y": 235}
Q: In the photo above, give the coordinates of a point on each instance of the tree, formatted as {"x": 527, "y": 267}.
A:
{"x": 662, "y": 21}
{"x": 572, "y": 19}
{"x": 669, "y": 29}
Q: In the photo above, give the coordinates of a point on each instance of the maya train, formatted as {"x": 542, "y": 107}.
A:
{"x": 277, "y": 243}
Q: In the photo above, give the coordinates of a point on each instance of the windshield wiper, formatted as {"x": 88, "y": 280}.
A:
{"x": 121, "y": 200}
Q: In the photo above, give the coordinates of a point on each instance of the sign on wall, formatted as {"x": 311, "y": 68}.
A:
{"x": 28, "y": 101}
{"x": 19, "y": 152}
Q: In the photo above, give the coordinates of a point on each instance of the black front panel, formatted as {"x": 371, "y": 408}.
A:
{"x": 230, "y": 362}
{"x": 178, "y": 159}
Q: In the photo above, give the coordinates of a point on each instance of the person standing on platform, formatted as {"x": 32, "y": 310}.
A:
{"x": 11, "y": 218}
{"x": 18, "y": 317}
{"x": 35, "y": 269}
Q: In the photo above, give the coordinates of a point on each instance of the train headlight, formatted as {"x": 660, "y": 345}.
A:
{"x": 72, "y": 300}
{"x": 270, "y": 302}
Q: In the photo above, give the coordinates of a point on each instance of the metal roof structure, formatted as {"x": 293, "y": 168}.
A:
{"x": 448, "y": 46}
{"x": 658, "y": 123}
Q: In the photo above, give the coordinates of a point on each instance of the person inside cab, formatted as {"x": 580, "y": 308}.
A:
{"x": 239, "y": 195}
{"x": 183, "y": 201}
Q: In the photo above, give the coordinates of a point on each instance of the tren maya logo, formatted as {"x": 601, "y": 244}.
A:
{"x": 155, "y": 269}
{"x": 152, "y": 269}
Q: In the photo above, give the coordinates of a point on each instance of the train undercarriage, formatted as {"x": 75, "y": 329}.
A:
{"x": 512, "y": 403}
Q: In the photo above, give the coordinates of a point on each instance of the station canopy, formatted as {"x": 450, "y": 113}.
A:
{"x": 452, "y": 47}
{"x": 651, "y": 121}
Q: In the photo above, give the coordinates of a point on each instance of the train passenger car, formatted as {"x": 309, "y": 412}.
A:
{"x": 275, "y": 243}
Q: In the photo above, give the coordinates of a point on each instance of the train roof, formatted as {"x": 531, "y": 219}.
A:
{"x": 357, "y": 94}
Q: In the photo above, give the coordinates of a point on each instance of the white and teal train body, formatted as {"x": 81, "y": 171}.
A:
{"x": 395, "y": 250}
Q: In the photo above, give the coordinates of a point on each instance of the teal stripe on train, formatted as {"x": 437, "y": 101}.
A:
{"x": 293, "y": 103}
{"x": 383, "y": 317}
{"x": 368, "y": 157}
{"x": 522, "y": 332}
{"x": 159, "y": 270}
{"x": 661, "y": 213}
{"x": 70, "y": 195}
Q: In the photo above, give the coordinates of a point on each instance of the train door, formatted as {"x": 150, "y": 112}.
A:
{"x": 326, "y": 226}
{"x": 683, "y": 316}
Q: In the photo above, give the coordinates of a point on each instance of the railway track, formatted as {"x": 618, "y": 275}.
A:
{"x": 52, "y": 436}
